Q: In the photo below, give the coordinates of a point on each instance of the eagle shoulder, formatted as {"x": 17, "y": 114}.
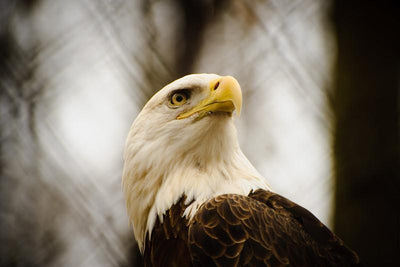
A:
{"x": 262, "y": 228}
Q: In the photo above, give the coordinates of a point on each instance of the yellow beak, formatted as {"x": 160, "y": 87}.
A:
{"x": 225, "y": 95}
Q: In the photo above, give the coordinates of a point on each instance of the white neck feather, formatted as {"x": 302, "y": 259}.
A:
{"x": 159, "y": 171}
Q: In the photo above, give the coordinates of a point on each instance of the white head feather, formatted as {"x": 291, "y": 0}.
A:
{"x": 166, "y": 157}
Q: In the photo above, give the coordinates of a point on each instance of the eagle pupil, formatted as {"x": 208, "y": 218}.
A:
{"x": 179, "y": 98}
{"x": 216, "y": 86}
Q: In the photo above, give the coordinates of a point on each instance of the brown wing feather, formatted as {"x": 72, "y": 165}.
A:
{"x": 262, "y": 229}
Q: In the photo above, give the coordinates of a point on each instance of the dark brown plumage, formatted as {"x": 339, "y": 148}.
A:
{"x": 168, "y": 245}
{"x": 261, "y": 229}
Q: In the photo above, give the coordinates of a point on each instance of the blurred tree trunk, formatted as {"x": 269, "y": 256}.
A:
{"x": 366, "y": 143}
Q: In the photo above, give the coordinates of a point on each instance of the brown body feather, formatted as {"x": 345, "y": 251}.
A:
{"x": 262, "y": 229}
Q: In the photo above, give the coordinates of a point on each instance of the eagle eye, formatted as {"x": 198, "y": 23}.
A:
{"x": 179, "y": 98}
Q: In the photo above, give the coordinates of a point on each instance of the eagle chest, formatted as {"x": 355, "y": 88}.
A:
{"x": 168, "y": 245}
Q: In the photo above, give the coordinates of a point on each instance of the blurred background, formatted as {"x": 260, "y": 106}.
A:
{"x": 320, "y": 120}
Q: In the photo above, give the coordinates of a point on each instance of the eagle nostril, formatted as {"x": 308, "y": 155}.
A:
{"x": 216, "y": 86}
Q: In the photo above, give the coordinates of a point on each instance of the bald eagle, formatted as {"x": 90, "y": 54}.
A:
{"x": 193, "y": 197}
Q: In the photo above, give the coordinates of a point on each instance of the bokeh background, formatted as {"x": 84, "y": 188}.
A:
{"x": 320, "y": 120}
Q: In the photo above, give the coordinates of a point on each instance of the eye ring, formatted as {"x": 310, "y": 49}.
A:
{"x": 178, "y": 99}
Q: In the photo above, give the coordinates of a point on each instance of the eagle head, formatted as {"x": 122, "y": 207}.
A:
{"x": 184, "y": 143}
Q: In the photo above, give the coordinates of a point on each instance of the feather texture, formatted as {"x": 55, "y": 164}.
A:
{"x": 264, "y": 229}
{"x": 261, "y": 229}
